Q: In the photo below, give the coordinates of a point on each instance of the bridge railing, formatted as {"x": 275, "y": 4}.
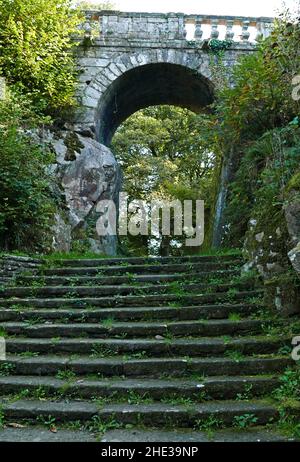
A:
{"x": 174, "y": 26}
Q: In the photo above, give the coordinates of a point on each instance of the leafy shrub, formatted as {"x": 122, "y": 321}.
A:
{"x": 26, "y": 205}
{"x": 36, "y": 50}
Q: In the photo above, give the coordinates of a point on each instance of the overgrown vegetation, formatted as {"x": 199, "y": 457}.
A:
{"x": 26, "y": 203}
{"x": 39, "y": 68}
{"x": 36, "y": 51}
{"x": 165, "y": 156}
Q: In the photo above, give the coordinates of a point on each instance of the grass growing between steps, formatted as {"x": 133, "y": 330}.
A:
{"x": 287, "y": 398}
{"x": 214, "y": 252}
{"x": 53, "y": 257}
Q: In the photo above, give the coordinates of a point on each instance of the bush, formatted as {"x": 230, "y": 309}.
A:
{"x": 36, "y": 51}
{"x": 26, "y": 205}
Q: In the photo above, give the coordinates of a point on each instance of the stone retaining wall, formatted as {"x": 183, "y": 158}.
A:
{"x": 11, "y": 265}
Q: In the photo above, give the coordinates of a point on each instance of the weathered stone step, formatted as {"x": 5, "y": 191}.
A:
{"x": 154, "y": 367}
{"x": 128, "y": 314}
{"x": 136, "y": 329}
{"x": 185, "y": 347}
{"x": 122, "y": 389}
{"x": 131, "y": 300}
{"x": 90, "y": 262}
{"x": 98, "y": 291}
{"x": 142, "y": 414}
{"x": 140, "y": 269}
{"x": 232, "y": 435}
{"x": 39, "y": 434}
{"x": 115, "y": 280}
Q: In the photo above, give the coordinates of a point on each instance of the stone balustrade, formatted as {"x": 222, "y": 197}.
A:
{"x": 11, "y": 265}
{"x": 174, "y": 26}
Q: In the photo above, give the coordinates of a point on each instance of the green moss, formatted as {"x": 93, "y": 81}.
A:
{"x": 73, "y": 145}
{"x": 294, "y": 183}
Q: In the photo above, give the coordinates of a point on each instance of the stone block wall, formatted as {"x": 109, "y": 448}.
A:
{"x": 143, "y": 25}
{"x": 11, "y": 265}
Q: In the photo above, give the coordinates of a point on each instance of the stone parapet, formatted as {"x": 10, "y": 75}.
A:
{"x": 174, "y": 26}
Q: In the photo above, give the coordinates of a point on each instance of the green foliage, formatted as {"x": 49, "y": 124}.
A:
{"x": 164, "y": 154}
{"x": 269, "y": 165}
{"x": 2, "y": 418}
{"x": 94, "y": 5}
{"x": 244, "y": 421}
{"x": 289, "y": 385}
{"x": 26, "y": 204}
{"x": 36, "y": 51}
{"x": 219, "y": 46}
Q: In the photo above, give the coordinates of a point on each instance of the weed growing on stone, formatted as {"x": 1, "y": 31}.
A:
{"x": 244, "y": 421}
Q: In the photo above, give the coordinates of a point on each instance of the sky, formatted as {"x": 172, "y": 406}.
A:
{"x": 214, "y": 7}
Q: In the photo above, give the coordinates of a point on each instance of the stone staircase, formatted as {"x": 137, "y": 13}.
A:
{"x": 168, "y": 349}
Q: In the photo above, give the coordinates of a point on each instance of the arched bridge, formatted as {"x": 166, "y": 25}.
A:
{"x": 129, "y": 61}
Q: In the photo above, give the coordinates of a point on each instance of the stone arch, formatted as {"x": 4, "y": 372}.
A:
{"x": 133, "y": 82}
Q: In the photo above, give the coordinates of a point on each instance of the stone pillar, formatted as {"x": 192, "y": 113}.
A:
{"x": 2, "y": 88}
{"x": 245, "y": 31}
{"x": 214, "y": 29}
{"x": 229, "y": 30}
{"x": 198, "y": 30}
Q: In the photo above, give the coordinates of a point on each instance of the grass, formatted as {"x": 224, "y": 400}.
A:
{"x": 235, "y": 355}
{"x": 101, "y": 426}
{"x": 244, "y": 421}
{"x": 108, "y": 322}
{"x": 246, "y": 394}
{"x": 48, "y": 421}
{"x": 74, "y": 255}
{"x": 6, "y": 369}
{"x": 289, "y": 385}
{"x": 99, "y": 351}
{"x": 28, "y": 354}
{"x": 219, "y": 252}
{"x": 2, "y": 332}
{"x": 209, "y": 424}
{"x": 2, "y": 418}
{"x": 234, "y": 317}
{"x": 65, "y": 375}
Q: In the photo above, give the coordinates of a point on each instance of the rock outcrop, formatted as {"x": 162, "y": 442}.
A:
{"x": 292, "y": 216}
{"x": 87, "y": 172}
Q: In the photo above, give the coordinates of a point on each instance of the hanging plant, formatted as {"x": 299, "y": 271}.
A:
{"x": 217, "y": 46}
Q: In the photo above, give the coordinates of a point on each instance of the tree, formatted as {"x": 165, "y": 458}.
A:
{"x": 36, "y": 51}
{"x": 164, "y": 154}
{"x": 94, "y": 5}
{"x": 26, "y": 203}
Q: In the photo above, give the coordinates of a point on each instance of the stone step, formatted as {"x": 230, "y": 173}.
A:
{"x": 141, "y": 269}
{"x": 232, "y": 435}
{"x": 115, "y": 280}
{"x": 90, "y": 262}
{"x": 124, "y": 390}
{"x": 142, "y": 414}
{"x": 152, "y": 347}
{"x": 98, "y": 291}
{"x": 131, "y": 300}
{"x": 128, "y": 314}
{"x": 144, "y": 367}
{"x": 94, "y": 315}
{"x": 136, "y": 329}
{"x": 39, "y": 434}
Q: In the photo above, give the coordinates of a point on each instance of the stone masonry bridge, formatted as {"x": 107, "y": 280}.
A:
{"x": 133, "y": 60}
